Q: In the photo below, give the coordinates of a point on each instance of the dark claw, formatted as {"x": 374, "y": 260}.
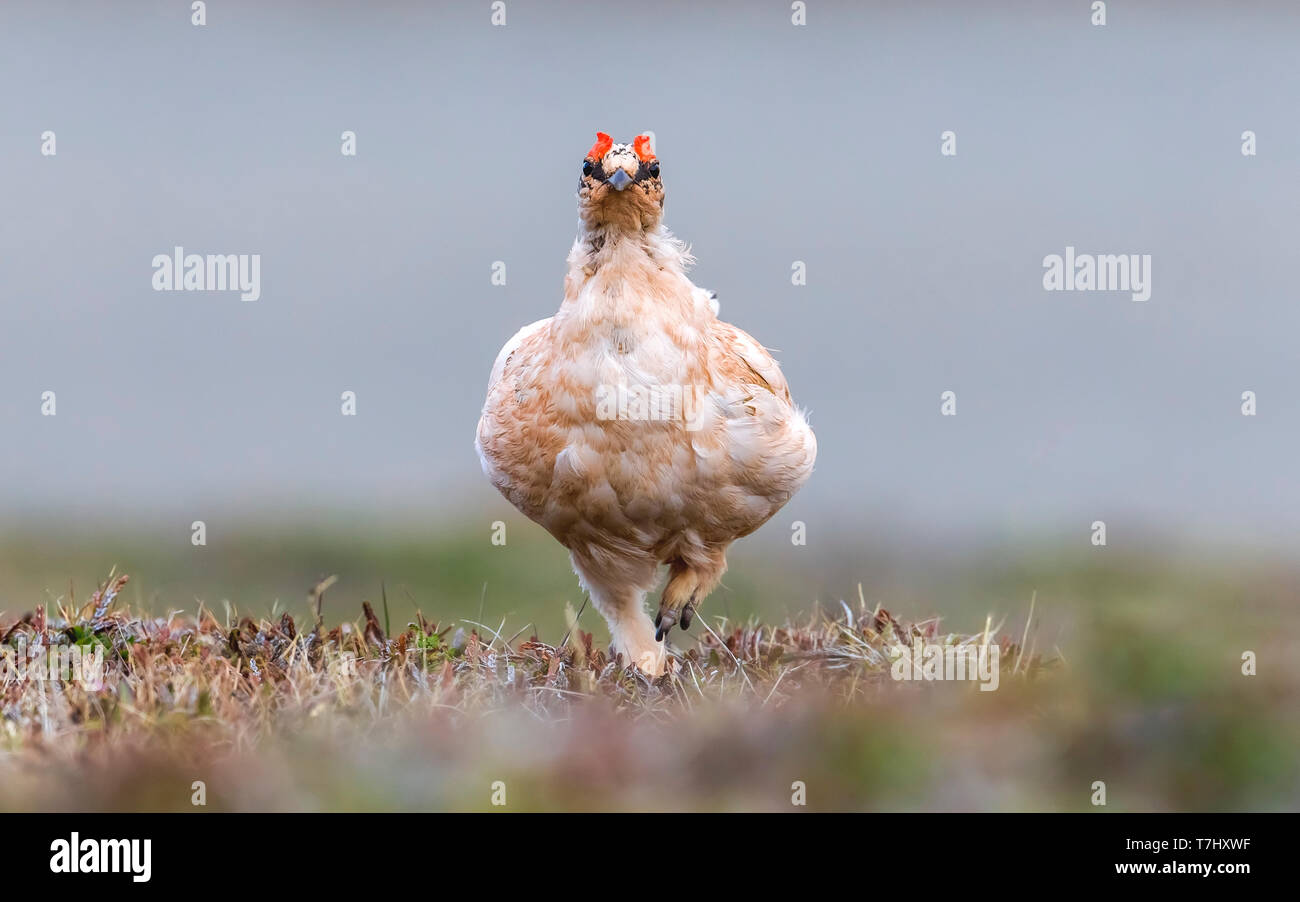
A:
{"x": 688, "y": 612}
{"x": 663, "y": 623}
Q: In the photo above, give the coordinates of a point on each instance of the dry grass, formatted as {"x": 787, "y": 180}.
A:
{"x": 238, "y": 679}
{"x": 275, "y": 715}
{"x": 291, "y": 713}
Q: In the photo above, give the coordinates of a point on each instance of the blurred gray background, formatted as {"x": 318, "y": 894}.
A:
{"x": 779, "y": 143}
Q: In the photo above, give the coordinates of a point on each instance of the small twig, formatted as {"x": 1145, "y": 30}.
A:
{"x": 1025, "y": 637}
{"x": 739, "y": 666}
{"x": 317, "y": 596}
{"x": 383, "y": 594}
{"x": 565, "y": 641}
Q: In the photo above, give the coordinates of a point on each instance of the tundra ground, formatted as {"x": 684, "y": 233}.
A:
{"x": 289, "y": 712}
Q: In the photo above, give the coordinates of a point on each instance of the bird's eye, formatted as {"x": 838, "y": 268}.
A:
{"x": 586, "y": 167}
{"x": 653, "y": 169}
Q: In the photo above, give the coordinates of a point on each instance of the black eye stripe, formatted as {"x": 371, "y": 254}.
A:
{"x": 644, "y": 171}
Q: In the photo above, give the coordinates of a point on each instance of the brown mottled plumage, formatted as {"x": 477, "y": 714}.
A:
{"x": 634, "y": 425}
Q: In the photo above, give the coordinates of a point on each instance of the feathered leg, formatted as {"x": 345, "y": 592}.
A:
{"x": 619, "y": 595}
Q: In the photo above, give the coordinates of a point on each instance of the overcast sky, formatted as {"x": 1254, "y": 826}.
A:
{"x": 779, "y": 143}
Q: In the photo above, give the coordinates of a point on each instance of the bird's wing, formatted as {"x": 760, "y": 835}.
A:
{"x": 516, "y": 437}
{"x": 745, "y": 362}
{"x": 766, "y": 439}
{"x": 511, "y": 346}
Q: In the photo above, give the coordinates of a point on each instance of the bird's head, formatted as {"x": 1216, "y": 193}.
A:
{"x": 619, "y": 186}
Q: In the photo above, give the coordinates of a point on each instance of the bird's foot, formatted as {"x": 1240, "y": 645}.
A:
{"x": 674, "y": 610}
{"x": 652, "y": 660}
{"x": 635, "y": 641}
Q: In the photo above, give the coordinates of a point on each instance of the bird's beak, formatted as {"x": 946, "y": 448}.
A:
{"x": 620, "y": 179}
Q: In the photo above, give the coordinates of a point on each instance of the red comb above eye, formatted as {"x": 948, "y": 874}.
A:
{"x": 644, "y": 152}
{"x": 598, "y": 150}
